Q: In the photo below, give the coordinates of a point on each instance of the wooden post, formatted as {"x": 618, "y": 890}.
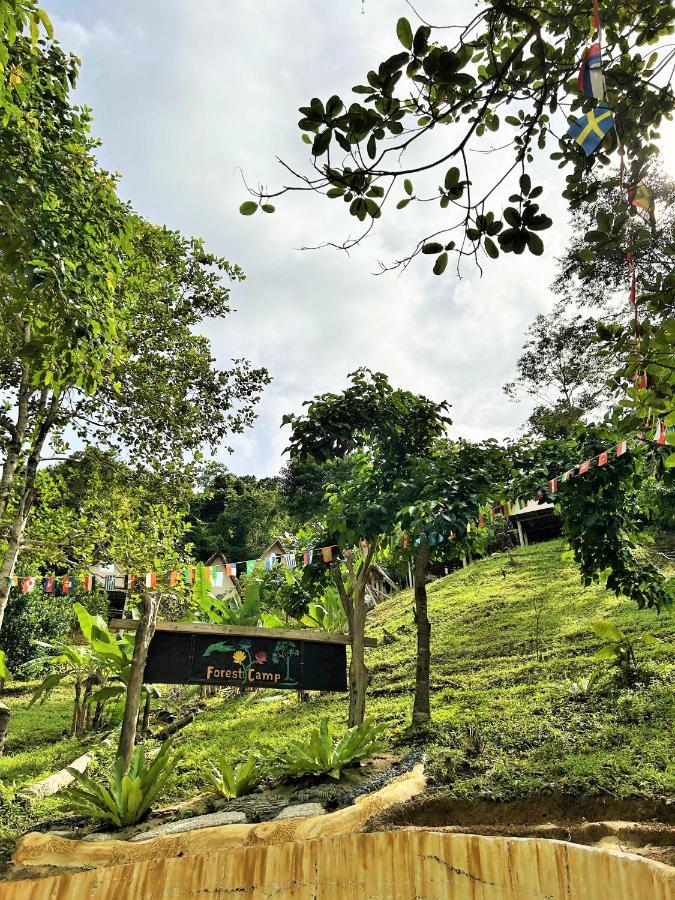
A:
{"x": 5, "y": 713}
{"x": 144, "y": 633}
{"x": 522, "y": 537}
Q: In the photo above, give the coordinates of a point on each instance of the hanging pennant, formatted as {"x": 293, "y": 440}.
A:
{"x": 584, "y": 467}
{"x": 660, "y": 433}
{"x": 602, "y": 459}
{"x": 567, "y": 475}
{"x": 641, "y": 196}
{"x": 553, "y": 485}
{"x": 290, "y": 560}
{"x": 27, "y": 584}
{"x": 621, "y": 448}
{"x": 270, "y": 561}
{"x": 173, "y": 578}
{"x": 49, "y": 585}
{"x": 307, "y": 557}
{"x": 327, "y": 554}
{"x": 589, "y": 131}
{"x": 403, "y": 543}
{"x": 481, "y": 520}
{"x": 218, "y": 578}
{"x": 132, "y": 582}
{"x": 231, "y": 570}
{"x": 189, "y": 575}
{"x": 250, "y": 566}
{"x": 207, "y": 574}
{"x": 86, "y": 583}
{"x": 109, "y": 583}
{"x": 591, "y": 81}
{"x": 66, "y": 584}
{"x": 151, "y": 579}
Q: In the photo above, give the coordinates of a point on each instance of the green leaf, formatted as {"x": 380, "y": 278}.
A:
{"x": 403, "y": 203}
{"x": 432, "y": 248}
{"x": 404, "y": 32}
{"x": 408, "y": 186}
{"x": 534, "y": 243}
{"x": 451, "y": 177}
{"x": 267, "y": 207}
{"x": 525, "y": 184}
{"x": 248, "y": 208}
{"x": 321, "y": 142}
{"x": 441, "y": 263}
{"x": 491, "y": 248}
{"x": 306, "y": 138}
{"x": 4, "y": 671}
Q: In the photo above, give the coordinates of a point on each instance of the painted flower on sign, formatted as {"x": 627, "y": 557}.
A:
{"x": 260, "y": 657}
{"x": 239, "y": 656}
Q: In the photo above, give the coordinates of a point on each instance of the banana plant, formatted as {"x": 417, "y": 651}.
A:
{"x": 69, "y": 662}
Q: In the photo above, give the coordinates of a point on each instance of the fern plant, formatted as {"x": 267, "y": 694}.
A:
{"x": 234, "y": 782}
{"x": 322, "y": 754}
{"x": 129, "y": 794}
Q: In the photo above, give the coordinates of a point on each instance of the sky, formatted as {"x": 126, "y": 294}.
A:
{"x": 188, "y": 96}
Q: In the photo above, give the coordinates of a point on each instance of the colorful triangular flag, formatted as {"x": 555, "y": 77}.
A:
{"x": 641, "y": 196}
{"x": 290, "y": 560}
{"x": 327, "y": 554}
{"x": 584, "y": 467}
{"x": 602, "y": 459}
{"x": 621, "y": 448}
{"x": 307, "y": 557}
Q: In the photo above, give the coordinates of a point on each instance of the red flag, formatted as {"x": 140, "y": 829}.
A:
{"x": 553, "y": 486}
{"x": 49, "y": 585}
{"x": 660, "y": 433}
{"x": 596, "y": 17}
{"x": 602, "y": 459}
{"x": 27, "y": 584}
{"x": 584, "y": 467}
{"x": 86, "y": 583}
{"x": 327, "y": 553}
{"x": 151, "y": 579}
{"x": 493, "y": 514}
{"x": 621, "y": 448}
{"x": 66, "y": 584}
{"x": 231, "y": 570}
{"x": 481, "y": 520}
{"x": 132, "y": 582}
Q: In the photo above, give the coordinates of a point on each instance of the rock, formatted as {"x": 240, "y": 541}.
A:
{"x": 101, "y": 836}
{"x": 300, "y": 810}
{"x": 225, "y": 817}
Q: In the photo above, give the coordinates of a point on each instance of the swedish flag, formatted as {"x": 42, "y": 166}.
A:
{"x": 589, "y": 130}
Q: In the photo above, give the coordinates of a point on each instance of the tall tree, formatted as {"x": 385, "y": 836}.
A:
{"x": 563, "y": 368}
{"x": 98, "y": 309}
{"x": 382, "y": 431}
{"x": 240, "y": 515}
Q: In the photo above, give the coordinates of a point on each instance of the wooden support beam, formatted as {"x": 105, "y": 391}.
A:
{"x": 290, "y": 634}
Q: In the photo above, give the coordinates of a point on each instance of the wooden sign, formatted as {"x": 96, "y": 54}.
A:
{"x": 246, "y": 660}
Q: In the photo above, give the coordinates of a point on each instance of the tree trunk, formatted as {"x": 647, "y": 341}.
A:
{"x": 144, "y": 633}
{"x": 421, "y": 705}
{"x": 145, "y": 725}
{"x": 75, "y": 724}
{"x": 358, "y": 673}
{"x": 5, "y": 713}
{"x": 17, "y": 436}
{"x": 20, "y": 520}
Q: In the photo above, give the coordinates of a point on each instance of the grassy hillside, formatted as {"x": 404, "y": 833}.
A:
{"x": 506, "y": 641}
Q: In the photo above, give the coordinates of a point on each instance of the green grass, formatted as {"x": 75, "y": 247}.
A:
{"x": 490, "y": 670}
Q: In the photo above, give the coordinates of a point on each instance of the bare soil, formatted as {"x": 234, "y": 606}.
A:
{"x": 646, "y": 827}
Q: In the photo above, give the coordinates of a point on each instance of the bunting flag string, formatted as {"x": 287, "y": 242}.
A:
{"x": 214, "y": 577}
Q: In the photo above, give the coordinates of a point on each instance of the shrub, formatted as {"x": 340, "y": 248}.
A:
{"x": 321, "y": 755}
{"x": 234, "y": 782}
{"x": 129, "y": 795}
{"x": 619, "y": 650}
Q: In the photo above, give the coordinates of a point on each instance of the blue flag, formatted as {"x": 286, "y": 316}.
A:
{"x": 589, "y": 130}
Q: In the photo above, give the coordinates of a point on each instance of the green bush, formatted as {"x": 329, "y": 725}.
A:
{"x": 321, "y": 755}
{"x": 129, "y": 795}
{"x": 234, "y": 782}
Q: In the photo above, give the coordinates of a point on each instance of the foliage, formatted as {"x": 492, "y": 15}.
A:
{"x": 238, "y": 515}
{"x": 229, "y": 610}
{"x": 582, "y": 688}
{"x": 600, "y": 516}
{"x": 509, "y": 62}
{"x": 619, "y": 648}
{"x": 129, "y": 795}
{"x": 327, "y": 613}
{"x": 322, "y": 754}
{"x": 97, "y": 333}
{"x": 562, "y": 368}
{"x": 234, "y": 782}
